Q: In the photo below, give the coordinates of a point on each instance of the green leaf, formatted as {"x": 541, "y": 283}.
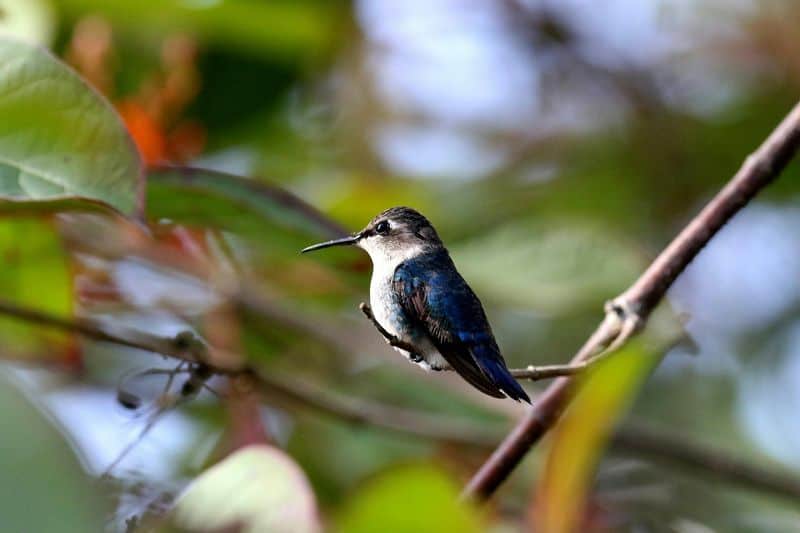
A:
{"x": 581, "y": 436}
{"x": 413, "y": 499}
{"x": 258, "y": 488}
{"x": 35, "y": 274}
{"x": 205, "y": 197}
{"x": 42, "y": 488}
{"x": 31, "y": 21}
{"x": 59, "y": 140}
{"x": 267, "y": 226}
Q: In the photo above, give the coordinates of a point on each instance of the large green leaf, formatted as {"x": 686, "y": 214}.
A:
{"x": 413, "y": 499}
{"x": 258, "y": 488}
{"x": 42, "y": 487}
{"x": 59, "y": 140}
{"x": 268, "y": 226}
{"x": 208, "y": 198}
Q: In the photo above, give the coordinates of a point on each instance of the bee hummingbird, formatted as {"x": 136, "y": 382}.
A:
{"x": 418, "y": 296}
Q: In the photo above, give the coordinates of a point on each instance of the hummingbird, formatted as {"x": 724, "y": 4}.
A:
{"x": 418, "y": 297}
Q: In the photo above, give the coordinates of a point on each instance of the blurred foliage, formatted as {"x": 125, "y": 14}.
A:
{"x": 45, "y": 488}
{"x": 238, "y": 205}
{"x": 559, "y": 270}
{"x": 36, "y": 274}
{"x": 405, "y": 499}
{"x": 284, "y": 28}
{"x": 258, "y": 488}
{"x": 578, "y": 441}
{"x": 557, "y": 147}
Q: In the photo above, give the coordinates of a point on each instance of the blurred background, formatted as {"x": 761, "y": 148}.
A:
{"x": 557, "y": 146}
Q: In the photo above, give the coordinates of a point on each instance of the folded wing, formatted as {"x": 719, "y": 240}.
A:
{"x": 440, "y": 301}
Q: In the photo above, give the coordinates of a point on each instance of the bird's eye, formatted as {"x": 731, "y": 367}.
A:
{"x": 382, "y": 227}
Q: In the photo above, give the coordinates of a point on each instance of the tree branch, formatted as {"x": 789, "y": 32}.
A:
{"x": 173, "y": 347}
{"x": 185, "y": 346}
{"x": 631, "y": 437}
{"x": 643, "y": 439}
{"x": 627, "y": 313}
{"x": 363, "y": 412}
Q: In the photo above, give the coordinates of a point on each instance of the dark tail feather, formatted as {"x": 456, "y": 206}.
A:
{"x": 500, "y": 376}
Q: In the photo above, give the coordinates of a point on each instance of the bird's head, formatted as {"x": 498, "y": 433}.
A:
{"x": 397, "y": 233}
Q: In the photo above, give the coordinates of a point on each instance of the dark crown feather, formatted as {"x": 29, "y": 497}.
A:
{"x": 412, "y": 219}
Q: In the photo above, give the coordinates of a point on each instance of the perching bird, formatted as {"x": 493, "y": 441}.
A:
{"x": 418, "y": 296}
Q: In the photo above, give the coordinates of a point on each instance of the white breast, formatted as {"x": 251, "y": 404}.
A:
{"x": 385, "y": 260}
{"x": 380, "y": 293}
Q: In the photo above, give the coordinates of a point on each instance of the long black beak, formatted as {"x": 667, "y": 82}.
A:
{"x": 336, "y": 242}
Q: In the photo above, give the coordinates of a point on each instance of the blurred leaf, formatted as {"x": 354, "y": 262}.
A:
{"x": 35, "y": 274}
{"x": 581, "y": 436}
{"x": 49, "y": 492}
{"x": 356, "y": 198}
{"x": 268, "y": 226}
{"x": 47, "y": 207}
{"x": 206, "y": 197}
{"x": 336, "y": 455}
{"x": 59, "y": 140}
{"x": 553, "y": 267}
{"x": 258, "y": 488}
{"x": 240, "y": 102}
{"x": 291, "y": 28}
{"x": 28, "y": 20}
{"x": 409, "y": 499}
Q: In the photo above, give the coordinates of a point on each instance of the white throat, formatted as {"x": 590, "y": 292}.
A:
{"x": 385, "y": 259}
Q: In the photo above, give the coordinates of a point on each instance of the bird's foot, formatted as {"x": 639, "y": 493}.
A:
{"x": 367, "y": 310}
{"x": 391, "y": 340}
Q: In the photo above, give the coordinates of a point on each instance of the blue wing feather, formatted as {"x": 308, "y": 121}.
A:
{"x": 436, "y": 298}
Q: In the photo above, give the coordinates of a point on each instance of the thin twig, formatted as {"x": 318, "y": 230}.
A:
{"x": 628, "y": 313}
{"x": 536, "y": 373}
{"x": 85, "y": 328}
{"x": 185, "y": 346}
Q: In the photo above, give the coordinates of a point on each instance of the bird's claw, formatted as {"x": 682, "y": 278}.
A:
{"x": 390, "y": 339}
{"x": 367, "y": 310}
